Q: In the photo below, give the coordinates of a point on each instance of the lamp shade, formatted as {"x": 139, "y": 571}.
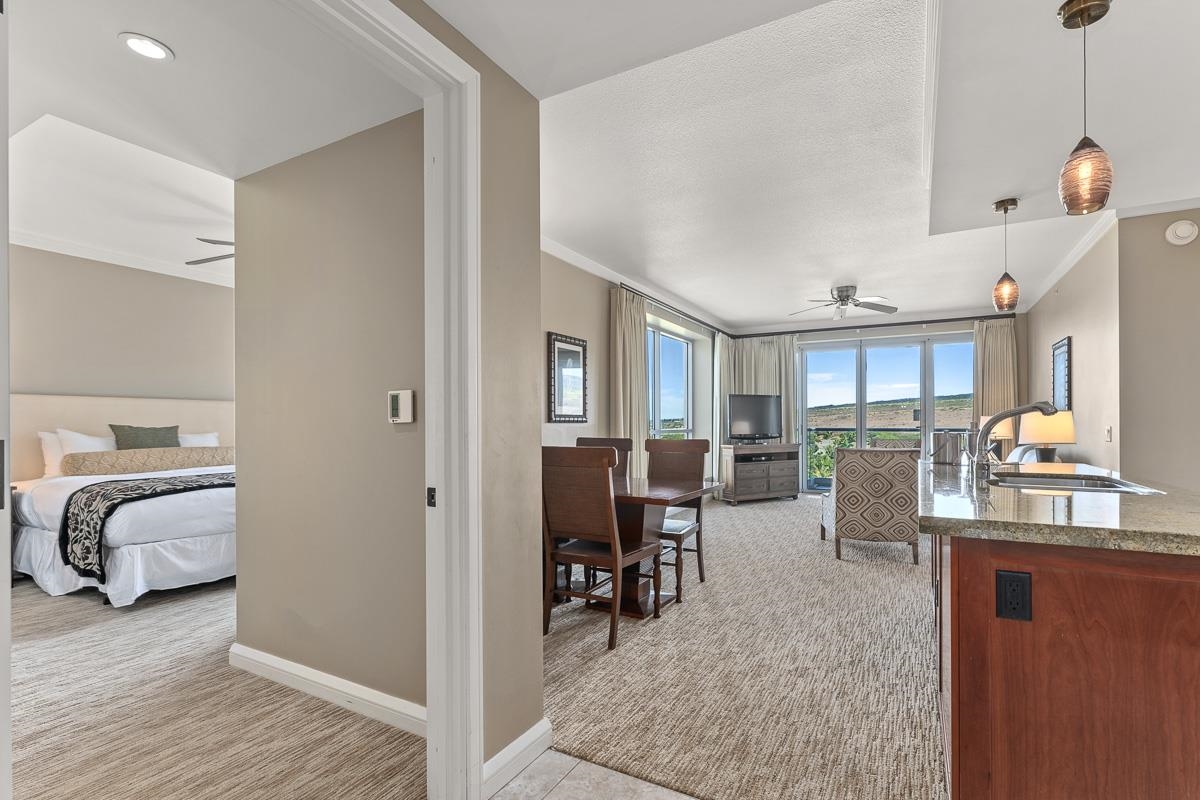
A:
{"x": 1003, "y": 429}
{"x": 1006, "y": 293}
{"x": 1037, "y": 428}
{"x": 1086, "y": 179}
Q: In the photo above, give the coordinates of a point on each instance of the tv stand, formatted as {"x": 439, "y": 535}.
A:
{"x": 760, "y": 471}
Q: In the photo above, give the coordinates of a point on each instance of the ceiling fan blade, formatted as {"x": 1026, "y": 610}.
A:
{"x": 872, "y": 299}
{"x": 221, "y": 242}
{"x": 806, "y": 310}
{"x": 876, "y": 307}
{"x": 199, "y": 261}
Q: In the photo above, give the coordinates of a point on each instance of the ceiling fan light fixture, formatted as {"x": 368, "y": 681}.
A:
{"x": 147, "y": 46}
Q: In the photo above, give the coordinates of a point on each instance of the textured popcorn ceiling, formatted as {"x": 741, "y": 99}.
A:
{"x": 746, "y": 175}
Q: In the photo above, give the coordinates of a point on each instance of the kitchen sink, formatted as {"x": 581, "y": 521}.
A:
{"x": 1070, "y": 483}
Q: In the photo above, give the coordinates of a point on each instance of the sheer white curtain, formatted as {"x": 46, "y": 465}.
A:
{"x": 629, "y": 414}
{"x": 995, "y": 369}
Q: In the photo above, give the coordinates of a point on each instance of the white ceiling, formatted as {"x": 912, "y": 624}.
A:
{"x": 551, "y": 46}
{"x": 252, "y": 84}
{"x": 83, "y": 193}
{"x": 1009, "y": 96}
{"x": 747, "y": 175}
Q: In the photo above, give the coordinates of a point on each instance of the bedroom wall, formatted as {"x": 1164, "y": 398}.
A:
{"x": 1084, "y": 305}
{"x": 1159, "y": 382}
{"x": 331, "y": 519}
{"x": 575, "y": 303}
{"x": 511, "y": 380}
{"x": 81, "y": 327}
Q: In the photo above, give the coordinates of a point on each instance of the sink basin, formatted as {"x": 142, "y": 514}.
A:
{"x": 1070, "y": 483}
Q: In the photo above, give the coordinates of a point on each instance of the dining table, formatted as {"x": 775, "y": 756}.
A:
{"x": 642, "y": 505}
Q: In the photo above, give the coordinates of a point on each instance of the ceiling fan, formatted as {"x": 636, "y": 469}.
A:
{"x": 210, "y": 259}
{"x": 843, "y": 297}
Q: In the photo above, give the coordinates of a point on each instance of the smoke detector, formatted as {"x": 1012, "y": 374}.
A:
{"x": 1182, "y": 232}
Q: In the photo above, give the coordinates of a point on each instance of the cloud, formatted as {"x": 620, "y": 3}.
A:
{"x": 896, "y": 386}
{"x": 821, "y": 377}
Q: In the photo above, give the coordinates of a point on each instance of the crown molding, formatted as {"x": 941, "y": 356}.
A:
{"x": 67, "y": 247}
{"x": 1105, "y": 220}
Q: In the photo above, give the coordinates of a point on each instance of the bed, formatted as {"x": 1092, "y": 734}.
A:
{"x": 160, "y": 542}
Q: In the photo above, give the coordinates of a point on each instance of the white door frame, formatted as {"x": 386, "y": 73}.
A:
{"x": 453, "y": 530}
{"x": 454, "y": 640}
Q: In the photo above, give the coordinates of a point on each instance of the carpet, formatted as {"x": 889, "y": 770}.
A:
{"x": 787, "y": 674}
{"x": 140, "y": 702}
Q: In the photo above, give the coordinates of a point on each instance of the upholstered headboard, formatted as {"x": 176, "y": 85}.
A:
{"x": 45, "y": 412}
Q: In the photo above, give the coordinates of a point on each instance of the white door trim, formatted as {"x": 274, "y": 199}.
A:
{"x": 454, "y": 641}
{"x": 453, "y": 538}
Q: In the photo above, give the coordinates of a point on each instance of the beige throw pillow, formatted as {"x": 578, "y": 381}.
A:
{"x": 150, "y": 459}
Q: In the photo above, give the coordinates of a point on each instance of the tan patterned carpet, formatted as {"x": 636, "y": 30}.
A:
{"x": 140, "y": 703}
{"x": 786, "y": 675}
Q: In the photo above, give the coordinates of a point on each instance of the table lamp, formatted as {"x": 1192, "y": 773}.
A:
{"x": 1003, "y": 430}
{"x": 1044, "y": 432}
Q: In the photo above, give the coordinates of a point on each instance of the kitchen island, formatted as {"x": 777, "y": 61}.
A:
{"x": 1068, "y": 627}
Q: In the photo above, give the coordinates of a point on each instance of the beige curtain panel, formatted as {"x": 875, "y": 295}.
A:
{"x": 995, "y": 369}
{"x": 629, "y": 415}
{"x": 761, "y": 365}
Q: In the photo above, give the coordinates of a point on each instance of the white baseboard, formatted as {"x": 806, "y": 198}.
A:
{"x": 361, "y": 699}
{"x": 508, "y": 763}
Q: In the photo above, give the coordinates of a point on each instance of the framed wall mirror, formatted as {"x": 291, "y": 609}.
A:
{"x": 567, "y": 379}
{"x": 1060, "y": 374}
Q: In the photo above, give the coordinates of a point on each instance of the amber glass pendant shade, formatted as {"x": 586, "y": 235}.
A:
{"x": 1086, "y": 179}
{"x": 1006, "y": 294}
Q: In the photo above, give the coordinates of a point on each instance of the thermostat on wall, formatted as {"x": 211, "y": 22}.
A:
{"x": 400, "y": 406}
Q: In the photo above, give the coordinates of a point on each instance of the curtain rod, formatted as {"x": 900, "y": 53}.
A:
{"x": 674, "y": 310}
{"x": 852, "y": 328}
{"x": 846, "y": 328}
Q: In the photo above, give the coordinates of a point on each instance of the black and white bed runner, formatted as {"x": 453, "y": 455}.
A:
{"x": 81, "y": 536}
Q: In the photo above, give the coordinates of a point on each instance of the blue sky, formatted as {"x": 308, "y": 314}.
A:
{"x": 893, "y": 373}
{"x": 673, "y": 379}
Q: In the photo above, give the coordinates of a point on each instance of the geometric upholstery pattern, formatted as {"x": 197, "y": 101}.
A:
{"x": 874, "y": 495}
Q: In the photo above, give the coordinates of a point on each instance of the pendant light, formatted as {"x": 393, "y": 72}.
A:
{"x": 1006, "y": 293}
{"x": 1086, "y": 179}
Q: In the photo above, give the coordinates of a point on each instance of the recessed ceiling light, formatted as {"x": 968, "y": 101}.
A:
{"x": 147, "y": 46}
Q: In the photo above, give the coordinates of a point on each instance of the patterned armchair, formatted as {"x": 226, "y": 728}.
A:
{"x": 873, "y": 497}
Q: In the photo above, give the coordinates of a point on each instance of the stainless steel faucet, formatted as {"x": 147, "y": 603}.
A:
{"x": 981, "y": 459}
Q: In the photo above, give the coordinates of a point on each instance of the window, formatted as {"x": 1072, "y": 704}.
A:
{"x": 669, "y": 374}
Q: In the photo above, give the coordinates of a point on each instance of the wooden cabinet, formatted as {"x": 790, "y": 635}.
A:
{"x": 760, "y": 471}
{"x": 1096, "y": 696}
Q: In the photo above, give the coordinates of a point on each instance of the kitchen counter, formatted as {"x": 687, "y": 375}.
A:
{"x": 950, "y": 505}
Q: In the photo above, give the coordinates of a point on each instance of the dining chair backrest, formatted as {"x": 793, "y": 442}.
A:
{"x": 623, "y": 447}
{"x": 676, "y": 459}
{"x": 577, "y": 494}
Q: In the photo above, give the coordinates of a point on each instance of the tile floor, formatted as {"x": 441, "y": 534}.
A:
{"x": 556, "y": 776}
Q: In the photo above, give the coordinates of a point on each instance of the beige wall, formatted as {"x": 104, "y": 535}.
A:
{"x": 512, "y": 353}
{"x": 1159, "y": 379}
{"x": 1084, "y": 305}
{"x": 331, "y": 528}
{"x": 575, "y": 303}
{"x": 81, "y": 327}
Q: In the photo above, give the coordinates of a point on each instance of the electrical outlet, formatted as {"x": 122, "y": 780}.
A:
{"x": 1108, "y": 434}
{"x": 1014, "y": 595}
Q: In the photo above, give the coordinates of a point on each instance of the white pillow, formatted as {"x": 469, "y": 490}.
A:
{"x": 73, "y": 442}
{"x": 52, "y": 453}
{"x": 199, "y": 440}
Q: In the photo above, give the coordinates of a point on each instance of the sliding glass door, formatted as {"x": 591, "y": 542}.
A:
{"x": 887, "y": 392}
{"x": 892, "y": 413}
{"x": 830, "y": 414}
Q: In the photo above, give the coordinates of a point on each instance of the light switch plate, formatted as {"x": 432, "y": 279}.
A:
{"x": 1108, "y": 434}
{"x": 401, "y": 406}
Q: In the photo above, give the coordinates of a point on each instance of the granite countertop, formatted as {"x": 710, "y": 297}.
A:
{"x": 951, "y": 505}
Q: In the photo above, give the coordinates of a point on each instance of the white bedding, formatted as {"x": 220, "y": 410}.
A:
{"x": 40, "y": 504}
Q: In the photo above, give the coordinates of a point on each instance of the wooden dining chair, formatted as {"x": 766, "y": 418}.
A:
{"x": 579, "y": 526}
{"x": 680, "y": 459}
{"x": 624, "y": 448}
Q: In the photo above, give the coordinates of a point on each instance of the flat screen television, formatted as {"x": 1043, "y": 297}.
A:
{"x": 755, "y": 416}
